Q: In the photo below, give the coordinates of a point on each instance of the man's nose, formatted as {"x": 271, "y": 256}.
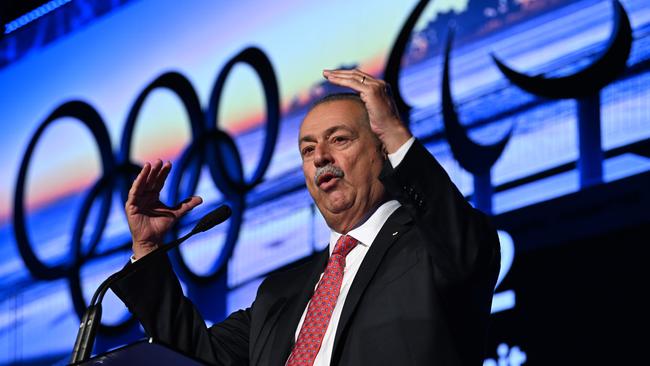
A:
{"x": 322, "y": 156}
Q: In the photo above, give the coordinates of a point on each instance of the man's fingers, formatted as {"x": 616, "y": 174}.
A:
{"x": 153, "y": 175}
{"x": 162, "y": 176}
{"x": 186, "y": 206}
{"x": 359, "y": 78}
{"x": 348, "y": 82}
{"x": 349, "y": 73}
{"x": 138, "y": 184}
{"x": 356, "y": 80}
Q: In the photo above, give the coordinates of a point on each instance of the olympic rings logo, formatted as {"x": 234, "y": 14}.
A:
{"x": 210, "y": 145}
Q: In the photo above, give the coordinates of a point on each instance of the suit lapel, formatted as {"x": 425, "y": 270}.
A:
{"x": 293, "y": 309}
{"x": 392, "y": 229}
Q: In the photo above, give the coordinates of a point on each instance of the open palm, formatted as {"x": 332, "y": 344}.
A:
{"x": 149, "y": 218}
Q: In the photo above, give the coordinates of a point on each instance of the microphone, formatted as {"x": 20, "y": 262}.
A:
{"x": 212, "y": 219}
{"x": 91, "y": 319}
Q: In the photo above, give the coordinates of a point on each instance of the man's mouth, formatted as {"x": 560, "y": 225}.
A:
{"x": 327, "y": 177}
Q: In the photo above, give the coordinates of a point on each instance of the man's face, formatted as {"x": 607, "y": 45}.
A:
{"x": 341, "y": 161}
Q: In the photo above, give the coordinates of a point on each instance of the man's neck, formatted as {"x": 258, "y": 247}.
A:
{"x": 344, "y": 227}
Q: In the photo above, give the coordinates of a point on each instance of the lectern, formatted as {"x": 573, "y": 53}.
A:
{"x": 144, "y": 352}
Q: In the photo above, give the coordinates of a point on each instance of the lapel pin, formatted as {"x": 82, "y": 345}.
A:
{"x": 395, "y": 233}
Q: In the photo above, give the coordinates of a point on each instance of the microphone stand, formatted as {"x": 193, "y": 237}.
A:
{"x": 92, "y": 317}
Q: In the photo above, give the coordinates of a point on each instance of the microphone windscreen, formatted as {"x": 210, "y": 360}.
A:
{"x": 213, "y": 218}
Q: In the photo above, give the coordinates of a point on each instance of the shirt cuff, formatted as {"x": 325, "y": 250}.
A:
{"x": 397, "y": 157}
{"x": 133, "y": 258}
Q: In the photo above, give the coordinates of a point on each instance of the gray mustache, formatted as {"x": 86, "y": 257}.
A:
{"x": 327, "y": 169}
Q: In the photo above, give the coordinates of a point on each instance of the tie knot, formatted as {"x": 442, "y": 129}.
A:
{"x": 344, "y": 245}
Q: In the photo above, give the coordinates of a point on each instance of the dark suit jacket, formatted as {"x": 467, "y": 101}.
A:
{"x": 422, "y": 295}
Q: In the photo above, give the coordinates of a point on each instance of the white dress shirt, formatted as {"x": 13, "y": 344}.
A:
{"x": 365, "y": 234}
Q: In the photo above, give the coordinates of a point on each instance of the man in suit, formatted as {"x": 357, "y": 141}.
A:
{"x": 408, "y": 276}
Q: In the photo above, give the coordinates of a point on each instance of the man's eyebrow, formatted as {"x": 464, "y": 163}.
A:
{"x": 307, "y": 138}
{"x": 329, "y": 131}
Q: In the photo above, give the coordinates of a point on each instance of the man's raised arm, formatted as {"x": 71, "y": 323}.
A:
{"x": 154, "y": 295}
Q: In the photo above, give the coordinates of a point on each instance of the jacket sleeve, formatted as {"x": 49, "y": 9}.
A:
{"x": 460, "y": 239}
{"x": 153, "y": 294}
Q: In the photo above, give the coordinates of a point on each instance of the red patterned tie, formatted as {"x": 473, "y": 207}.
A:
{"x": 321, "y": 306}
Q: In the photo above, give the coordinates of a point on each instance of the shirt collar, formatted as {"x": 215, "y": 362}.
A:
{"x": 367, "y": 232}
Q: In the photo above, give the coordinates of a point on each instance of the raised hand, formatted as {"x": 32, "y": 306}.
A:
{"x": 149, "y": 218}
{"x": 382, "y": 112}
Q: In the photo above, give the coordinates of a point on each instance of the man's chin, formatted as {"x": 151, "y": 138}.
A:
{"x": 336, "y": 202}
